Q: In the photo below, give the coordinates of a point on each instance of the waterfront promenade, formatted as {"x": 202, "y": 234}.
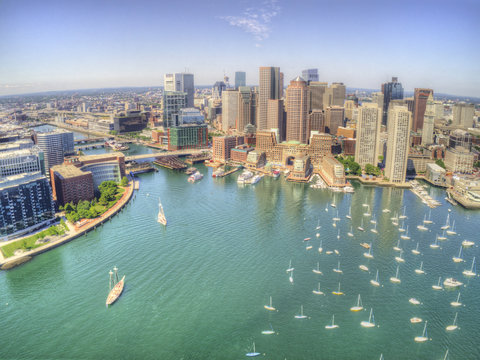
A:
{"x": 75, "y": 230}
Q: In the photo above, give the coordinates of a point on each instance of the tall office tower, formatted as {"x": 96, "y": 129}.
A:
{"x": 246, "y": 108}
{"x": 240, "y": 79}
{"x": 276, "y": 117}
{"x": 51, "y": 143}
{"x": 317, "y": 90}
{"x": 21, "y": 161}
{"x": 271, "y": 87}
{"x": 229, "y": 109}
{"x": 428, "y": 122}
{"x": 182, "y": 82}
{"x": 368, "y": 134}
{"x": 316, "y": 121}
{"x": 68, "y": 143}
{"x": 297, "y": 111}
{"x": 349, "y": 108}
{"x": 310, "y": 75}
{"x": 173, "y": 101}
{"x": 463, "y": 115}
{"x": 217, "y": 89}
{"x": 439, "y": 110}
{"x": 420, "y": 103}
{"x": 334, "y": 116}
{"x": 399, "y": 124}
{"x": 377, "y": 98}
{"x": 334, "y": 95}
{"x": 391, "y": 91}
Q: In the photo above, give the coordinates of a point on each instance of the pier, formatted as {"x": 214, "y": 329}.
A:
{"x": 170, "y": 162}
{"x": 197, "y": 158}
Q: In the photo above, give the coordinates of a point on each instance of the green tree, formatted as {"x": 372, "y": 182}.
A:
{"x": 124, "y": 181}
{"x": 476, "y": 164}
{"x": 372, "y": 170}
{"x": 92, "y": 213}
{"x": 440, "y": 163}
{"x": 69, "y": 207}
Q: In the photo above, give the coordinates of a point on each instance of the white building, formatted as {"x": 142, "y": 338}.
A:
{"x": 398, "y": 125}
{"x": 182, "y": 82}
{"x": 463, "y": 115}
{"x": 229, "y": 109}
{"x": 459, "y": 160}
{"x": 428, "y": 122}
{"x": 368, "y": 134}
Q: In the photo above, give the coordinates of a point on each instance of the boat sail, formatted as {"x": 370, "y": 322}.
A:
{"x": 371, "y": 320}
{"x": 358, "y": 306}
{"x": 161, "y": 214}
{"x": 117, "y": 289}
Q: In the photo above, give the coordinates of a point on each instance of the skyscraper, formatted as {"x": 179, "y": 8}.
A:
{"x": 334, "y": 116}
{"x": 276, "y": 117}
{"x": 180, "y": 82}
{"x": 391, "y": 91}
{"x": 51, "y": 143}
{"x": 240, "y": 79}
{"x": 229, "y": 109}
{"x": 463, "y": 115}
{"x": 246, "y": 107}
{"x": 217, "y": 89}
{"x": 368, "y": 134}
{"x": 317, "y": 90}
{"x": 310, "y": 75}
{"x": 377, "y": 98}
{"x": 334, "y": 95}
{"x": 428, "y": 122}
{"x": 420, "y": 103}
{"x": 297, "y": 111}
{"x": 271, "y": 87}
{"x": 173, "y": 101}
{"x": 399, "y": 124}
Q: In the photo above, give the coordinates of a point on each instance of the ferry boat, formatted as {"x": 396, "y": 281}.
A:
{"x": 195, "y": 177}
{"x": 255, "y": 179}
{"x": 117, "y": 289}
{"x": 246, "y": 175}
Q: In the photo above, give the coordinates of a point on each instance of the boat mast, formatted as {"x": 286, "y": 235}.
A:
{"x": 110, "y": 280}
{"x": 115, "y": 269}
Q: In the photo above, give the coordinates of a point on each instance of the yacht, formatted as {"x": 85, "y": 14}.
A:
{"x": 386, "y": 211}
{"x": 467, "y": 243}
{"x": 244, "y": 177}
{"x": 338, "y": 292}
{"x": 332, "y": 326}
{"x": 420, "y": 271}
{"x": 358, "y": 306}
{"x": 395, "y": 279}
{"x": 452, "y": 283}
{"x": 415, "y": 320}
{"x": 424, "y": 336}
{"x": 338, "y": 270}
{"x": 195, "y": 177}
{"x": 452, "y": 230}
{"x": 363, "y": 267}
{"x": 317, "y": 291}
{"x": 447, "y": 223}
{"x": 457, "y": 302}
{"x": 416, "y": 251}
{"x": 454, "y": 325}
{"x": 458, "y": 258}
{"x": 301, "y": 316}
{"x": 405, "y": 236}
{"x": 270, "y": 307}
{"x": 371, "y": 320}
{"x": 317, "y": 270}
{"x": 472, "y": 271}
{"x": 414, "y": 301}
{"x": 375, "y": 282}
{"x": 438, "y": 286}
{"x": 365, "y": 245}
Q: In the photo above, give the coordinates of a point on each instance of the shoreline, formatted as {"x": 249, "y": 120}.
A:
{"x": 74, "y": 231}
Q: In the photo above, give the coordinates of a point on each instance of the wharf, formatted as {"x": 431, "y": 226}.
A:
{"x": 170, "y": 162}
{"x": 141, "y": 168}
{"x": 231, "y": 171}
{"x": 193, "y": 159}
{"x": 418, "y": 190}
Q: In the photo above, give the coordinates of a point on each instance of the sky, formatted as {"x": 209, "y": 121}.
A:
{"x": 63, "y": 44}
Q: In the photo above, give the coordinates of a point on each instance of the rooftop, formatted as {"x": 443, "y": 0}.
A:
{"x": 67, "y": 171}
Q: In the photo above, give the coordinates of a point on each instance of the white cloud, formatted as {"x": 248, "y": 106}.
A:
{"x": 256, "y": 21}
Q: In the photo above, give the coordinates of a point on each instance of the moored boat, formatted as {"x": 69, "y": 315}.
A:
{"x": 117, "y": 289}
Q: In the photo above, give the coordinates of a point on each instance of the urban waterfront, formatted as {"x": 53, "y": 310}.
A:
{"x": 197, "y": 288}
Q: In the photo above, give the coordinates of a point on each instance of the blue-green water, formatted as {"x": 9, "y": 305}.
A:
{"x": 196, "y": 289}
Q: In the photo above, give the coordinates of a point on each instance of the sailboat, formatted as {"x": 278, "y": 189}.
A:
{"x": 368, "y": 254}
{"x": 446, "y": 355}
{"x": 359, "y": 305}
{"x": 161, "y": 214}
{"x": 338, "y": 270}
{"x": 320, "y": 248}
{"x": 290, "y": 278}
{"x": 318, "y": 225}
{"x": 386, "y": 211}
{"x": 374, "y": 230}
{"x": 435, "y": 244}
{"x": 420, "y": 271}
{"x": 400, "y": 259}
{"x": 422, "y": 227}
{"x": 470, "y": 272}
{"x": 442, "y": 237}
{"x": 405, "y": 236}
{"x": 416, "y": 251}
{"x": 401, "y": 228}
{"x": 447, "y": 223}
{"x": 424, "y": 337}
{"x": 350, "y": 233}
{"x": 414, "y": 301}
{"x": 467, "y": 243}
{"x": 290, "y": 268}
{"x": 375, "y": 282}
{"x": 270, "y": 307}
{"x": 397, "y": 248}
{"x": 361, "y": 227}
{"x": 365, "y": 204}
{"x": 395, "y": 279}
{"x": 457, "y": 302}
{"x": 438, "y": 286}
{"x": 336, "y": 218}
{"x": 452, "y": 230}
{"x": 338, "y": 234}
{"x": 349, "y": 215}
{"x": 326, "y": 208}
{"x": 454, "y": 325}
{"x": 428, "y": 221}
{"x": 333, "y": 202}
{"x": 363, "y": 267}
{"x": 318, "y": 291}
{"x": 403, "y": 216}
{"x": 301, "y": 316}
{"x": 115, "y": 290}
{"x": 338, "y": 292}
{"x": 368, "y": 211}
{"x": 332, "y": 326}
{"x": 317, "y": 270}
{"x": 373, "y": 220}
{"x": 268, "y": 332}
{"x": 371, "y": 321}
{"x": 458, "y": 258}
{"x": 253, "y": 353}
{"x": 452, "y": 283}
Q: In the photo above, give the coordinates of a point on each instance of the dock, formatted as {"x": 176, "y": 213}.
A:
{"x": 418, "y": 190}
{"x": 193, "y": 159}
{"x": 231, "y": 171}
{"x": 170, "y": 162}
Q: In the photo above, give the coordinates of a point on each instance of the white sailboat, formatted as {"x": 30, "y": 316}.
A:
{"x": 318, "y": 225}
{"x": 338, "y": 292}
{"x": 269, "y": 307}
{"x": 373, "y": 220}
{"x": 326, "y": 208}
{"x": 457, "y": 302}
{"x": 161, "y": 214}
{"x": 333, "y": 202}
{"x": 400, "y": 259}
{"x": 447, "y": 223}
{"x": 253, "y": 353}
{"x": 397, "y": 248}
{"x": 403, "y": 216}
{"x": 452, "y": 230}
{"x": 428, "y": 221}
{"x": 268, "y": 332}
{"x": 350, "y": 233}
{"x": 371, "y": 320}
{"x": 424, "y": 336}
{"x": 375, "y": 281}
{"x": 338, "y": 234}
{"x": 332, "y": 326}
{"x": 363, "y": 267}
{"x": 320, "y": 248}
{"x": 472, "y": 271}
{"x": 301, "y": 316}
{"x": 365, "y": 204}
{"x": 452, "y": 283}
{"x": 374, "y": 230}
{"x": 368, "y": 254}
{"x": 361, "y": 227}
{"x": 420, "y": 271}
{"x": 338, "y": 270}
{"x": 290, "y": 268}
{"x": 435, "y": 244}
{"x": 416, "y": 251}
{"x": 401, "y": 228}
{"x": 386, "y": 211}
{"x": 290, "y": 278}
{"x": 317, "y": 234}
{"x": 414, "y": 301}
{"x": 467, "y": 243}
{"x": 317, "y": 270}
{"x": 422, "y": 227}
{"x": 405, "y": 236}
{"x": 438, "y": 286}
{"x": 358, "y": 306}
{"x": 446, "y": 355}
{"x": 395, "y": 279}
{"x": 442, "y": 237}
{"x": 454, "y": 325}
{"x": 368, "y": 211}
{"x": 458, "y": 258}
{"x": 349, "y": 215}
{"x": 318, "y": 291}
{"x": 336, "y": 218}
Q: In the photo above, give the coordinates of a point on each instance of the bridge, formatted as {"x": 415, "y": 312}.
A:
{"x": 166, "y": 153}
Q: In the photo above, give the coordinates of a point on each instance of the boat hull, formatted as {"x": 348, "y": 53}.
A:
{"x": 115, "y": 292}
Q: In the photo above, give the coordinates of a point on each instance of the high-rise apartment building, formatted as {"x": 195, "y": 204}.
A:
{"x": 463, "y": 115}
{"x": 334, "y": 116}
{"x": 51, "y": 143}
{"x": 428, "y": 122}
{"x": 297, "y": 111}
{"x": 276, "y": 117}
{"x": 420, "y": 104}
{"x": 399, "y": 124}
{"x": 240, "y": 79}
{"x": 368, "y": 134}
{"x": 22, "y": 161}
{"x": 349, "y": 106}
{"x": 334, "y": 95}
{"x": 310, "y": 75}
{"x": 180, "y": 82}
{"x": 247, "y": 105}
{"x": 271, "y": 87}
{"x": 391, "y": 91}
{"x": 316, "y": 121}
{"x": 173, "y": 101}
{"x": 378, "y": 98}
{"x": 229, "y": 109}
{"x": 317, "y": 90}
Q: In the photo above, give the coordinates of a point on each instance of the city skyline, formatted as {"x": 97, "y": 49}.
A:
{"x": 55, "y": 45}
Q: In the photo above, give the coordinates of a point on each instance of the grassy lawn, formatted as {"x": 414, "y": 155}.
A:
{"x": 29, "y": 242}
